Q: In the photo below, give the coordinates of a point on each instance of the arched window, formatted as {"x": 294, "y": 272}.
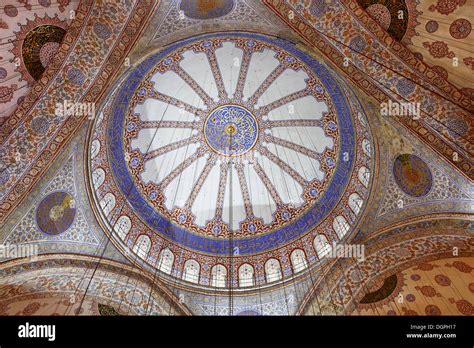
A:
{"x": 355, "y": 203}
{"x": 123, "y": 226}
{"x": 341, "y": 226}
{"x": 366, "y": 147}
{"x": 165, "y": 261}
{"x": 98, "y": 177}
{"x": 364, "y": 176}
{"x": 272, "y": 270}
{"x": 246, "y": 275}
{"x": 95, "y": 148}
{"x": 107, "y": 203}
{"x": 191, "y": 271}
{"x": 142, "y": 246}
{"x": 321, "y": 245}
{"x": 218, "y": 276}
{"x": 361, "y": 118}
{"x": 298, "y": 260}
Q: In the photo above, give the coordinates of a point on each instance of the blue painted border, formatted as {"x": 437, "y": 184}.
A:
{"x": 248, "y": 245}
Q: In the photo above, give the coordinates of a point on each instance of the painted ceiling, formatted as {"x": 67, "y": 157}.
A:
{"x": 30, "y": 39}
{"x": 252, "y": 154}
{"x": 233, "y": 142}
{"x": 437, "y": 32}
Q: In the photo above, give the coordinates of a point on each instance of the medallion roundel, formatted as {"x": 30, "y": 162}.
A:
{"x": 412, "y": 175}
{"x": 231, "y": 130}
{"x": 56, "y": 212}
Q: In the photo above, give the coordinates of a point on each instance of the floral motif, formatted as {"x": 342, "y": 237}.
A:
{"x": 460, "y": 28}
{"x": 439, "y": 49}
{"x": 6, "y": 93}
{"x": 31, "y": 308}
{"x": 469, "y": 61}
{"x": 446, "y": 7}
{"x": 427, "y": 290}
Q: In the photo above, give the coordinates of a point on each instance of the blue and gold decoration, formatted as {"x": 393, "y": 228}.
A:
{"x": 56, "y": 212}
{"x": 206, "y": 9}
{"x": 412, "y": 175}
{"x": 231, "y": 130}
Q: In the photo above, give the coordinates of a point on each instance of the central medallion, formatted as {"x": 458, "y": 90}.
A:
{"x": 231, "y": 130}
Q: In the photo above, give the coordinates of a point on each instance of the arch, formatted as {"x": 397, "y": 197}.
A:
{"x": 355, "y": 203}
{"x": 107, "y": 203}
{"x": 218, "y": 276}
{"x": 246, "y": 275}
{"x": 364, "y": 176}
{"x": 321, "y": 245}
{"x": 191, "y": 271}
{"x": 272, "y": 270}
{"x": 298, "y": 260}
{"x": 98, "y": 178}
{"x": 366, "y": 148}
{"x": 123, "y": 226}
{"x": 341, "y": 226}
{"x": 54, "y": 268}
{"x": 165, "y": 261}
{"x": 142, "y": 246}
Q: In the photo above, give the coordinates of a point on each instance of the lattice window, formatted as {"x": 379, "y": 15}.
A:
{"x": 191, "y": 271}
{"x": 107, "y": 203}
{"x": 246, "y": 275}
{"x": 98, "y": 177}
{"x": 341, "y": 226}
{"x": 298, "y": 260}
{"x": 355, "y": 203}
{"x": 218, "y": 276}
{"x": 123, "y": 226}
{"x": 165, "y": 261}
{"x": 272, "y": 270}
{"x": 142, "y": 246}
{"x": 364, "y": 176}
{"x": 366, "y": 147}
{"x": 321, "y": 245}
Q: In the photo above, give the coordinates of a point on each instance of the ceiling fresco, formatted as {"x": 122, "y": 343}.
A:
{"x": 349, "y": 43}
{"x": 250, "y": 135}
{"x": 208, "y": 157}
{"x": 31, "y": 36}
{"x": 437, "y": 32}
{"x": 429, "y": 289}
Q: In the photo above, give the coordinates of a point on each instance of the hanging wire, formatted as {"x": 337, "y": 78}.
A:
{"x": 279, "y": 155}
{"x": 107, "y": 239}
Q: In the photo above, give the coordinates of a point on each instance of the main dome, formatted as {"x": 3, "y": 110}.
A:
{"x": 229, "y": 146}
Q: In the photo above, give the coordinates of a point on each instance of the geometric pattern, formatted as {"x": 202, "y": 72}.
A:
{"x": 444, "y": 189}
{"x": 27, "y": 230}
{"x": 175, "y": 20}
